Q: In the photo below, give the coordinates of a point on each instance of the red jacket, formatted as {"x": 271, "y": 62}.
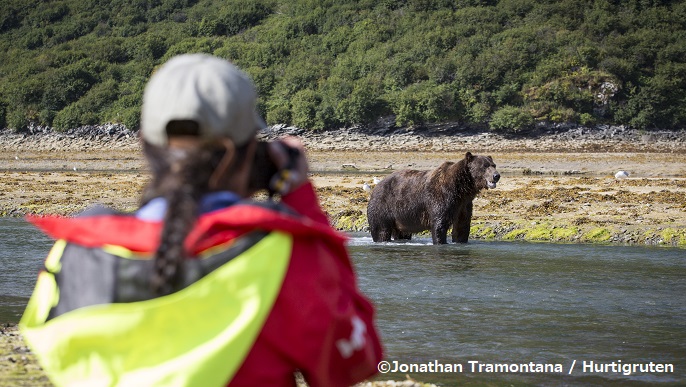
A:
{"x": 320, "y": 323}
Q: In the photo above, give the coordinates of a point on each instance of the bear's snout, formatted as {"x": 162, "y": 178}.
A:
{"x": 492, "y": 182}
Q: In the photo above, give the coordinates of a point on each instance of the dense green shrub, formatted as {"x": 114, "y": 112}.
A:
{"x": 511, "y": 119}
{"x": 73, "y": 116}
{"x": 278, "y": 111}
{"x": 361, "y": 105}
{"x": 424, "y": 102}
{"x": 17, "y": 119}
{"x": 304, "y": 108}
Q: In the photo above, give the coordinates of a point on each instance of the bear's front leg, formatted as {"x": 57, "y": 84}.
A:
{"x": 382, "y": 235}
{"x": 439, "y": 231}
{"x": 462, "y": 223}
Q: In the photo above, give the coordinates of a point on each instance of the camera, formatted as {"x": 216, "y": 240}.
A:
{"x": 264, "y": 168}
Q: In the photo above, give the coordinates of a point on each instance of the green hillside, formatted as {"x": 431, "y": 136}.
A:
{"x": 323, "y": 64}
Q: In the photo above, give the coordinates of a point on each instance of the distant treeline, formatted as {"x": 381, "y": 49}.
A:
{"x": 323, "y": 64}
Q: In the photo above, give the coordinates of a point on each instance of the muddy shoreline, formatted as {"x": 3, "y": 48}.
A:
{"x": 558, "y": 184}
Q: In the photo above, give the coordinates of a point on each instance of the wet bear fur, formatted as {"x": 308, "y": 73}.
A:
{"x": 410, "y": 201}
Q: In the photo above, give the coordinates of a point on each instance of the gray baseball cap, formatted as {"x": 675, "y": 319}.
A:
{"x": 208, "y": 90}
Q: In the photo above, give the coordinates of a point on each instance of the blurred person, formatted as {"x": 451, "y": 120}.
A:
{"x": 202, "y": 286}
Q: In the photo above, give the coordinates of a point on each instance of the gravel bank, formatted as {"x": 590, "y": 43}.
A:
{"x": 445, "y": 137}
{"x": 111, "y": 136}
{"x": 449, "y": 137}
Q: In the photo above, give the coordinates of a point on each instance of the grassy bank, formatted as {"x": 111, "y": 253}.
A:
{"x": 18, "y": 366}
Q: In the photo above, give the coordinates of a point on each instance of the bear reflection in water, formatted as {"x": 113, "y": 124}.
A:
{"x": 410, "y": 201}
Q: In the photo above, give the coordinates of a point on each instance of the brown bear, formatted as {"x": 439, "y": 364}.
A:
{"x": 410, "y": 201}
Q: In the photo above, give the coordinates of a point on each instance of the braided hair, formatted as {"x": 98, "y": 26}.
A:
{"x": 182, "y": 177}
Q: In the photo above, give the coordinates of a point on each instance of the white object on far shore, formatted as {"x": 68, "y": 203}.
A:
{"x": 376, "y": 180}
{"x": 366, "y": 187}
{"x": 621, "y": 175}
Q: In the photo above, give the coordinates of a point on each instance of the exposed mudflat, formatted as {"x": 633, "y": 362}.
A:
{"x": 558, "y": 187}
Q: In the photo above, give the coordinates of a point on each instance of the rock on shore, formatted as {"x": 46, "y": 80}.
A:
{"x": 109, "y": 136}
{"x": 383, "y": 137}
{"x": 446, "y": 137}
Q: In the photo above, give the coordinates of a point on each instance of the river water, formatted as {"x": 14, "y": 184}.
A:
{"x": 487, "y": 304}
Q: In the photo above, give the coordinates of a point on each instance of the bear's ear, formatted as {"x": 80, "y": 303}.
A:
{"x": 490, "y": 158}
{"x": 468, "y": 156}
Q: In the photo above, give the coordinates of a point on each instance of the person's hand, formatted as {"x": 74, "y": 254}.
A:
{"x": 294, "y": 173}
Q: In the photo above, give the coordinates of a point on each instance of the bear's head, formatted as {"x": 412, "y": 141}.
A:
{"x": 482, "y": 169}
